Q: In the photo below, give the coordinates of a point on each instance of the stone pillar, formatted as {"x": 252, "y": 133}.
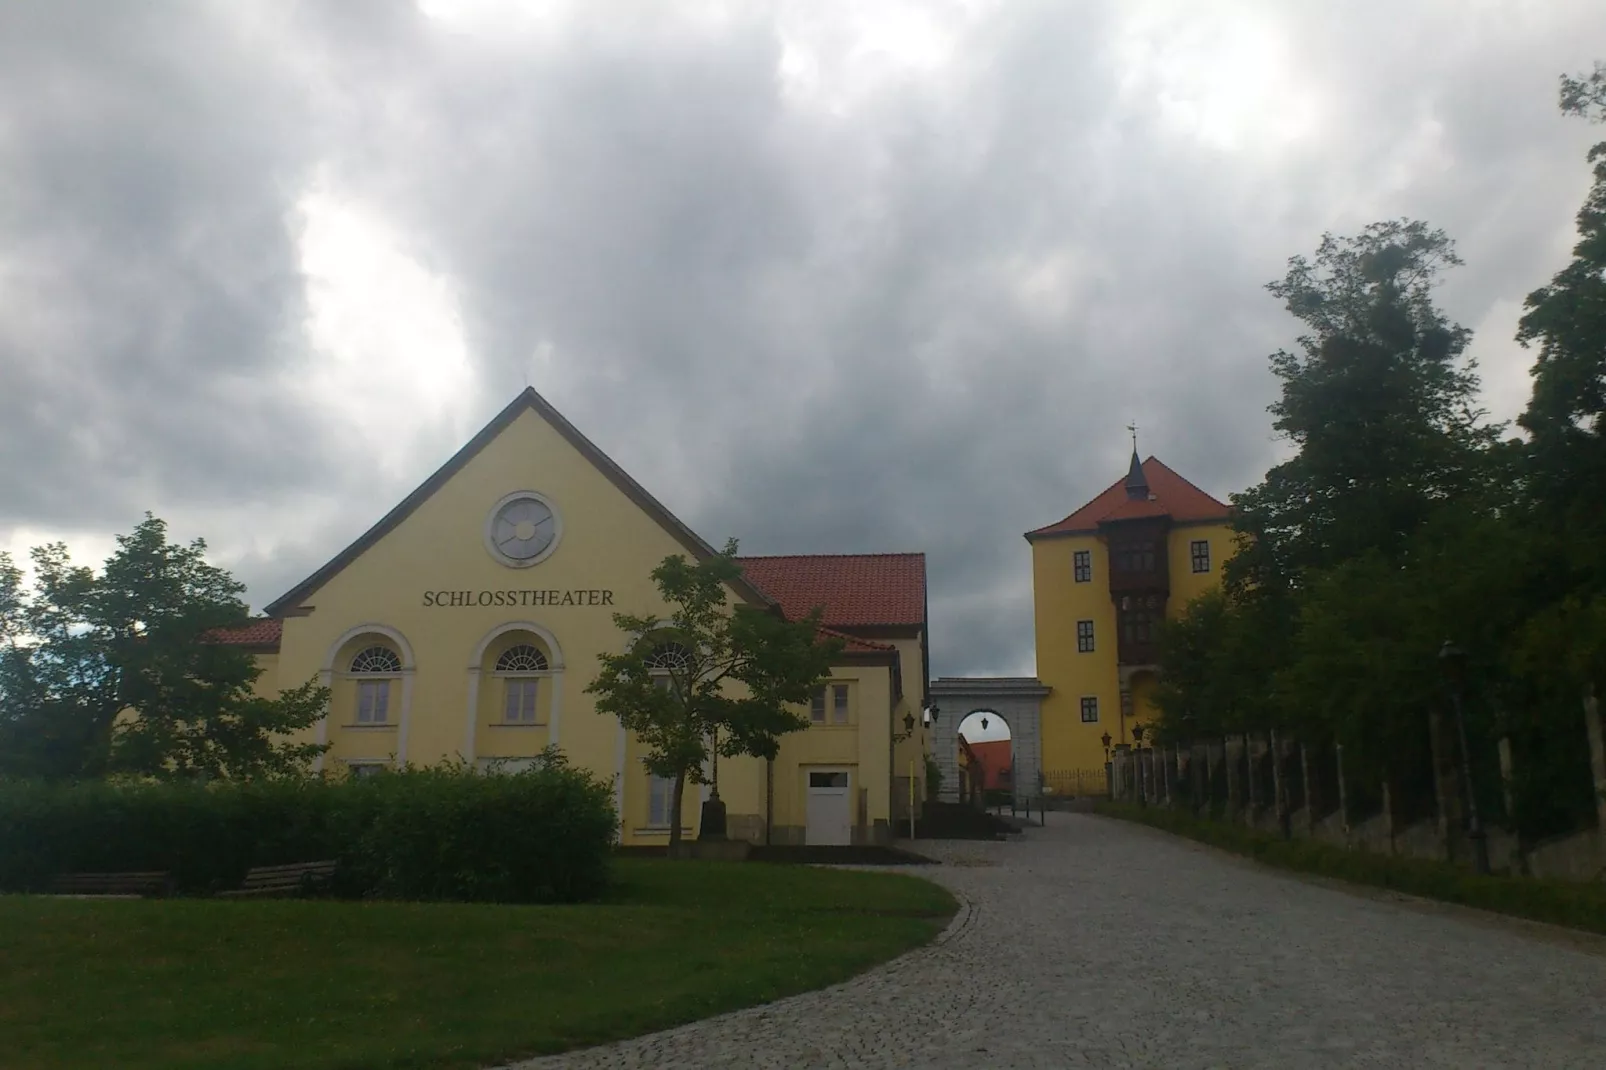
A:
{"x": 1597, "y": 758}
{"x": 1447, "y": 787}
{"x": 1168, "y": 758}
{"x": 1388, "y": 814}
{"x": 1235, "y": 800}
{"x": 1119, "y": 767}
{"x": 1517, "y": 862}
{"x": 1310, "y": 789}
{"x": 1279, "y": 786}
{"x": 1252, "y": 773}
{"x": 1343, "y": 792}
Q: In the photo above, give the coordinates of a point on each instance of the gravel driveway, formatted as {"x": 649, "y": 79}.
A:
{"x": 1096, "y": 943}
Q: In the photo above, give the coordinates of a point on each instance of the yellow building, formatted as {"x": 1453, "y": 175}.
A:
{"x": 468, "y": 621}
{"x": 1102, "y": 579}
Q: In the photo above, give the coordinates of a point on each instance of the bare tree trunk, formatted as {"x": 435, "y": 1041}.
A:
{"x": 674, "y": 814}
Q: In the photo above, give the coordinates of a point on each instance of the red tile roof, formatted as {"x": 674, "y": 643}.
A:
{"x": 1172, "y": 496}
{"x": 264, "y": 631}
{"x": 852, "y": 644}
{"x": 996, "y": 757}
{"x": 856, "y": 590}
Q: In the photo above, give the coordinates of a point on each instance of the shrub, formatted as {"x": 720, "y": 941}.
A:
{"x": 448, "y": 833}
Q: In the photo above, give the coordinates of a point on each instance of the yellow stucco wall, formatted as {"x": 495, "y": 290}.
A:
{"x": 1059, "y": 602}
{"x": 608, "y": 544}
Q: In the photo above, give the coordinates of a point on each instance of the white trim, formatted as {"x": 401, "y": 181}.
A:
{"x": 552, "y": 719}
{"x": 325, "y": 681}
{"x": 403, "y": 647}
{"x": 490, "y": 522}
{"x": 475, "y": 671}
{"x": 619, "y": 779}
{"x": 473, "y": 713}
{"x": 406, "y": 717}
{"x": 554, "y": 652}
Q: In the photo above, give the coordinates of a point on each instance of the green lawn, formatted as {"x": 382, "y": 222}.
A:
{"x": 208, "y": 983}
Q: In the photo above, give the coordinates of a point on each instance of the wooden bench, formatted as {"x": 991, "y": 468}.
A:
{"x": 111, "y": 885}
{"x": 299, "y": 878}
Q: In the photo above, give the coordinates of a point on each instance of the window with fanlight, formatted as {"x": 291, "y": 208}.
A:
{"x": 521, "y": 668}
{"x": 374, "y": 668}
{"x": 668, "y": 664}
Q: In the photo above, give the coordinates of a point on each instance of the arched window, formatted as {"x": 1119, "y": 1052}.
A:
{"x": 521, "y": 658}
{"x": 376, "y": 659}
{"x": 665, "y": 661}
{"x": 521, "y": 668}
{"x": 373, "y": 695}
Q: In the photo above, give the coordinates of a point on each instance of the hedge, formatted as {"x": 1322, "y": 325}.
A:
{"x": 1576, "y": 905}
{"x": 543, "y": 835}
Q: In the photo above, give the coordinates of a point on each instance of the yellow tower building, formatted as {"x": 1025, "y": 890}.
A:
{"x": 1102, "y": 580}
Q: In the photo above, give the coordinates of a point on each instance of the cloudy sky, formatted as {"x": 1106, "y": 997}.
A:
{"x": 828, "y": 277}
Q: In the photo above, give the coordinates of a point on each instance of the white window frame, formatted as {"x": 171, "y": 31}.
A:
{"x": 660, "y": 797}
{"x": 372, "y": 692}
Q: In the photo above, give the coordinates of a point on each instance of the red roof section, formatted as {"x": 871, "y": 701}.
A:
{"x": 995, "y": 756}
{"x": 1171, "y": 495}
{"x": 265, "y": 631}
{"x": 852, "y": 644}
{"x": 855, "y": 590}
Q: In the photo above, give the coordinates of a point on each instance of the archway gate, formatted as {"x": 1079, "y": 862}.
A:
{"x": 1017, "y": 699}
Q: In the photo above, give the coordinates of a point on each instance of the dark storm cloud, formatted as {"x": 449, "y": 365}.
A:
{"x": 147, "y": 278}
{"x": 918, "y": 319}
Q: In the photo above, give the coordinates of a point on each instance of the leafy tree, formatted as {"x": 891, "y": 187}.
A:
{"x": 730, "y": 688}
{"x": 1379, "y": 400}
{"x": 115, "y": 673}
{"x": 1566, "y": 416}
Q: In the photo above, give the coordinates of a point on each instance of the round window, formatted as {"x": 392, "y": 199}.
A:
{"x": 522, "y": 529}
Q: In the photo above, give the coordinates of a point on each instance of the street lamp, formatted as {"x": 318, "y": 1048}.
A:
{"x": 1105, "y": 739}
{"x": 909, "y": 724}
{"x": 1453, "y": 661}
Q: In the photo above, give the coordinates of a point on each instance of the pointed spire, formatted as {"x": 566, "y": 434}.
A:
{"x": 1137, "y": 484}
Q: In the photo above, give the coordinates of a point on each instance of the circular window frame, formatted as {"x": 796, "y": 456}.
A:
{"x": 490, "y": 525}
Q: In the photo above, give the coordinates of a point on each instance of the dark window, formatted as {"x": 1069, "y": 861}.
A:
{"x": 1137, "y": 626}
{"x": 1134, "y": 557}
{"x": 1084, "y": 637}
{"x": 1199, "y": 551}
{"x": 1084, "y": 566}
{"x": 1090, "y": 710}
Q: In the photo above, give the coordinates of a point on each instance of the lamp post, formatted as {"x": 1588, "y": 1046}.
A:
{"x": 1453, "y": 660}
{"x": 1137, "y": 764}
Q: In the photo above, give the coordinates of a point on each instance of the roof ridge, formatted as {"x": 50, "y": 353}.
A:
{"x": 1188, "y": 481}
{"x": 528, "y": 398}
{"x": 878, "y": 553}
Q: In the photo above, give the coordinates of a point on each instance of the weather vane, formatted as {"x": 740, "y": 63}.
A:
{"x": 1133, "y": 427}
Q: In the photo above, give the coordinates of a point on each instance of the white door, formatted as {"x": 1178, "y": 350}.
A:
{"x": 830, "y": 815}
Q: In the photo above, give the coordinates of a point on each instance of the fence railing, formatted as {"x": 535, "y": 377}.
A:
{"x": 1075, "y": 783}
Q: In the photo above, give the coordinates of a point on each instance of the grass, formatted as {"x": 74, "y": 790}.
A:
{"x": 318, "y": 983}
{"x": 1577, "y": 906}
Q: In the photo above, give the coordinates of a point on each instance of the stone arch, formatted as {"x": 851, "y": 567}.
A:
{"x": 1017, "y": 700}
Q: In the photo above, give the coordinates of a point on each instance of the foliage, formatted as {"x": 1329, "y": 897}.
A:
{"x": 113, "y": 673}
{"x": 1580, "y": 906}
{"x": 444, "y": 833}
{"x": 731, "y": 688}
{"x": 1403, "y": 520}
{"x": 185, "y": 984}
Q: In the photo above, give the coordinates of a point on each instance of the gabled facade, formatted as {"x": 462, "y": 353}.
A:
{"x": 1103, "y": 579}
{"x": 468, "y": 622}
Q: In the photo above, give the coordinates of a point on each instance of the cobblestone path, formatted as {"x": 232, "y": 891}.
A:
{"x": 1096, "y": 943}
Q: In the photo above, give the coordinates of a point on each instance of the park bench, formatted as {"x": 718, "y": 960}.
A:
{"x": 111, "y": 885}
{"x": 298, "y": 878}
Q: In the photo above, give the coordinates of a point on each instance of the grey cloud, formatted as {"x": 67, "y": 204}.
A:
{"x": 818, "y": 332}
